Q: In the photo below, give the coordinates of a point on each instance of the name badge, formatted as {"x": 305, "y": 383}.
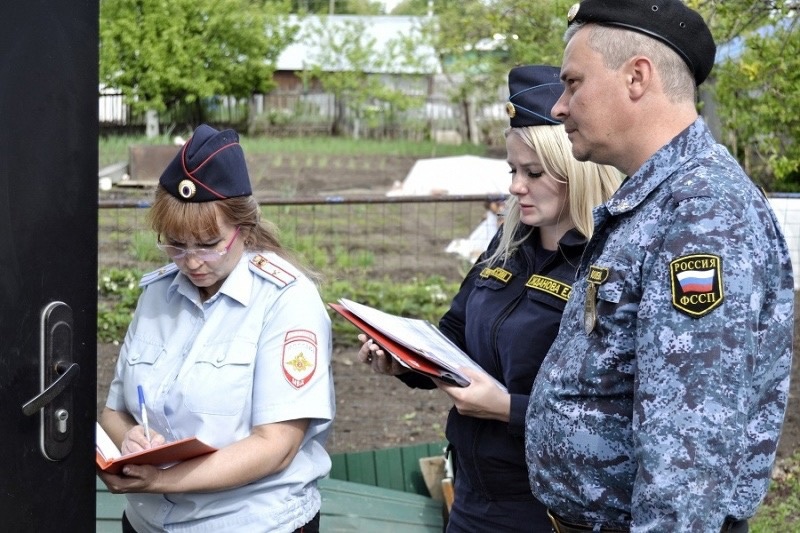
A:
{"x": 550, "y": 286}
{"x": 596, "y": 277}
{"x": 496, "y": 273}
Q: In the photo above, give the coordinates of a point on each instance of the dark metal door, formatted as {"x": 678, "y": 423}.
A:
{"x": 48, "y": 264}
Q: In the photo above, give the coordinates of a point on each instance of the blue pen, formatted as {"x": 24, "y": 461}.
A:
{"x": 143, "y": 409}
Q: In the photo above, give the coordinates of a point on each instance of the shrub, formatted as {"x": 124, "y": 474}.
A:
{"x": 118, "y": 291}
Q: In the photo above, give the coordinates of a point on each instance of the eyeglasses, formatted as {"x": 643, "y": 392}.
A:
{"x": 206, "y": 255}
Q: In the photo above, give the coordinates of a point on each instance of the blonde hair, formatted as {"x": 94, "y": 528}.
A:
{"x": 588, "y": 185}
{"x": 198, "y": 220}
{"x": 617, "y": 45}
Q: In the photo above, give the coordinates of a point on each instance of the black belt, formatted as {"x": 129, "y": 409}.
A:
{"x": 564, "y": 526}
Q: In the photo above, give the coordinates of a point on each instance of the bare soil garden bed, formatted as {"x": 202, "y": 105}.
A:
{"x": 374, "y": 412}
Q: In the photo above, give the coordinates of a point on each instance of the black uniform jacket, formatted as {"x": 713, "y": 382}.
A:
{"x": 505, "y": 317}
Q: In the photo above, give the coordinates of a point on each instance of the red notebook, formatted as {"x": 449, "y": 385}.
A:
{"x": 109, "y": 459}
{"x": 412, "y": 359}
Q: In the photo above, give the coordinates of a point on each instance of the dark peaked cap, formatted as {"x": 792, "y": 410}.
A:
{"x": 210, "y": 166}
{"x": 533, "y": 91}
{"x": 669, "y": 21}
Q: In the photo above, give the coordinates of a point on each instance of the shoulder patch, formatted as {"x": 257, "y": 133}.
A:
{"x": 696, "y": 282}
{"x": 299, "y": 360}
{"x": 280, "y": 274}
{"x": 156, "y": 275}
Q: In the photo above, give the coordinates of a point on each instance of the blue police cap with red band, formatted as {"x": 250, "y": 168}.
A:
{"x": 669, "y": 21}
{"x": 210, "y": 166}
{"x": 533, "y": 91}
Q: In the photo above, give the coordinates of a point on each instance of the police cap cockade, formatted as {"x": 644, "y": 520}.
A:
{"x": 209, "y": 166}
{"x": 533, "y": 91}
{"x": 669, "y": 21}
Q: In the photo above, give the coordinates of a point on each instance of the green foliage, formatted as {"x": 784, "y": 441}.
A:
{"x": 347, "y": 64}
{"x": 477, "y": 43}
{"x": 756, "y": 88}
{"x": 342, "y": 146}
{"x": 732, "y": 18}
{"x": 759, "y": 104}
{"x": 143, "y": 248}
{"x": 339, "y": 7}
{"x": 117, "y": 293}
{"x": 113, "y": 149}
{"x": 160, "y": 54}
{"x": 781, "y": 508}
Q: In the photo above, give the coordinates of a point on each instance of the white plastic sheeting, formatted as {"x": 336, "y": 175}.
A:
{"x": 455, "y": 175}
{"x": 459, "y": 176}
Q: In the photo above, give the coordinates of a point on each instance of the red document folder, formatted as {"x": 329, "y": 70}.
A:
{"x": 165, "y": 454}
{"x": 412, "y": 359}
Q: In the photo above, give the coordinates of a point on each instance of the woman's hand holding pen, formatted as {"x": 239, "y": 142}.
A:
{"x": 135, "y": 440}
{"x": 380, "y": 361}
{"x": 480, "y": 399}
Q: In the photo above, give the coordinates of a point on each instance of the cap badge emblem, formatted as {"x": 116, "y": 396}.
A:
{"x": 511, "y": 110}
{"x": 187, "y": 189}
{"x": 573, "y": 12}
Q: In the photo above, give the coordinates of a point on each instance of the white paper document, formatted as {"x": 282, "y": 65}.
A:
{"x": 418, "y": 335}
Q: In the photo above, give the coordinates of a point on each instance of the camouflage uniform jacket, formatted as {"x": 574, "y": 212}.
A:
{"x": 660, "y": 403}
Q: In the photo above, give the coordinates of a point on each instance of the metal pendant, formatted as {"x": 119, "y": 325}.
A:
{"x": 590, "y": 308}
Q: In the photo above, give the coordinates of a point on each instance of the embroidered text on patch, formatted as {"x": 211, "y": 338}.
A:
{"x": 497, "y": 273}
{"x": 696, "y": 282}
{"x": 550, "y": 286}
{"x": 299, "y": 359}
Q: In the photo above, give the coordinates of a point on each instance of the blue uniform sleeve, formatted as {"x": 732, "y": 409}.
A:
{"x": 702, "y": 364}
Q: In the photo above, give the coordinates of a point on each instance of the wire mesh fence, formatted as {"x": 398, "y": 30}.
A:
{"x": 370, "y": 237}
{"x": 396, "y": 238}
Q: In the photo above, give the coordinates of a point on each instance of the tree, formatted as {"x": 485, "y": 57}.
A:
{"x": 756, "y": 84}
{"x": 416, "y": 8}
{"x": 338, "y": 7}
{"x": 478, "y": 42}
{"x": 161, "y": 54}
{"x": 759, "y": 102}
{"x": 350, "y": 65}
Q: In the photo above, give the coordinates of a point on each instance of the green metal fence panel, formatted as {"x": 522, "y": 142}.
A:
{"x": 346, "y": 507}
{"x": 361, "y": 468}
{"x": 391, "y": 468}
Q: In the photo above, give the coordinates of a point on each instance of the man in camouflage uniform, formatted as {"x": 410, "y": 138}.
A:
{"x": 659, "y": 406}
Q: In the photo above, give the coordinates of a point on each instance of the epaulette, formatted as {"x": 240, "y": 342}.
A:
{"x": 156, "y": 275}
{"x": 278, "y": 272}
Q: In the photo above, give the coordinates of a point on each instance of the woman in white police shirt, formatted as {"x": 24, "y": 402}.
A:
{"x": 231, "y": 343}
{"x": 509, "y": 306}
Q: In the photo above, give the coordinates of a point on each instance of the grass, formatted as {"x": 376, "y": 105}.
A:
{"x": 781, "y": 508}
{"x": 115, "y": 149}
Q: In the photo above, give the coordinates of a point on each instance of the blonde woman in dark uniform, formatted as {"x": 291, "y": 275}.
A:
{"x": 509, "y": 306}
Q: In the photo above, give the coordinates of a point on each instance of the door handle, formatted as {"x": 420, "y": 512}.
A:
{"x": 67, "y": 375}
{"x": 58, "y": 371}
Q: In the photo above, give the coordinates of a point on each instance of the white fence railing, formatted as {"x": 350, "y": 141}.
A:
{"x": 787, "y": 210}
